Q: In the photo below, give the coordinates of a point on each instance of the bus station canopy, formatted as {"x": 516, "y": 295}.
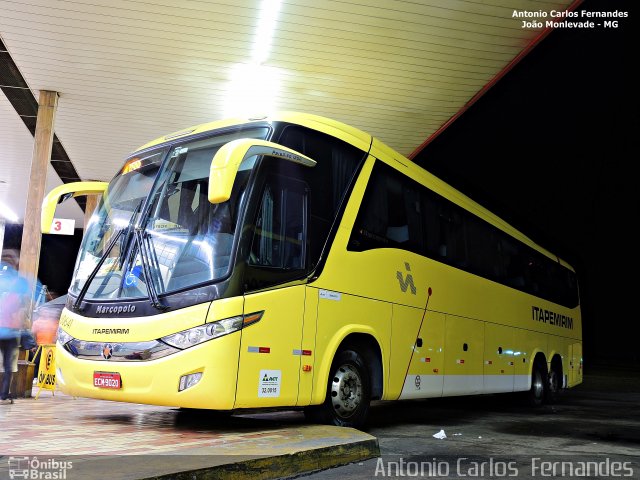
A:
{"x": 130, "y": 71}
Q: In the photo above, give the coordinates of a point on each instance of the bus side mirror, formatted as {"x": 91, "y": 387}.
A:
{"x": 62, "y": 193}
{"x": 228, "y": 158}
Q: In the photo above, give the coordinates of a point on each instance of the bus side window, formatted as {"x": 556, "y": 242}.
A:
{"x": 397, "y": 212}
{"x": 450, "y": 245}
{"x": 373, "y": 218}
{"x": 513, "y": 262}
{"x": 390, "y": 215}
{"x": 279, "y": 240}
{"x": 484, "y": 248}
{"x": 328, "y": 181}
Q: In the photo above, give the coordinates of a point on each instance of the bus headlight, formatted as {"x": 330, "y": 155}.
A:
{"x": 203, "y": 333}
{"x": 63, "y": 337}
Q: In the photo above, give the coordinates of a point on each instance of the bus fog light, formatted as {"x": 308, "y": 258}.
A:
{"x": 190, "y": 380}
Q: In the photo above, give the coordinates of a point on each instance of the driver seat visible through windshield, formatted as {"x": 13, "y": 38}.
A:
{"x": 200, "y": 229}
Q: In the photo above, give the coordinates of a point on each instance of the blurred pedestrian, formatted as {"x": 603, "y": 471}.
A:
{"x": 14, "y": 293}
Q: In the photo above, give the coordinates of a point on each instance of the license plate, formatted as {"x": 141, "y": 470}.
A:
{"x": 107, "y": 380}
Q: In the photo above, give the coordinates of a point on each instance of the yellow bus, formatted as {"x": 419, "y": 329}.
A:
{"x": 294, "y": 261}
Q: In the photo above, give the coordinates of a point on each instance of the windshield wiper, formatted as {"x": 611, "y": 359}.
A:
{"x": 126, "y": 241}
{"x": 134, "y": 232}
{"x": 146, "y": 259}
{"x": 154, "y": 259}
{"x": 94, "y": 272}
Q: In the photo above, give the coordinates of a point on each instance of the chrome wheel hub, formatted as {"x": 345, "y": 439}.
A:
{"x": 538, "y": 385}
{"x": 346, "y": 390}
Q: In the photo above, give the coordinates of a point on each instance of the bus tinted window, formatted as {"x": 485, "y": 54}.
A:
{"x": 398, "y": 212}
{"x": 450, "y": 238}
{"x": 393, "y": 214}
{"x": 328, "y": 181}
{"x": 280, "y": 236}
{"x": 484, "y": 248}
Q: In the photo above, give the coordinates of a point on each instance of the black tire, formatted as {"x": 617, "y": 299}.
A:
{"x": 537, "y": 393}
{"x": 554, "y": 383}
{"x": 348, "y": 393}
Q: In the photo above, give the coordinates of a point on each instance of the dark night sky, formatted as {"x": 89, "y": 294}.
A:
{"x": 549, "y": 148}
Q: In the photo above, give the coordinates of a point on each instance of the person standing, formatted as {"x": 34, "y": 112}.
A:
{"x": 14, "y": 290}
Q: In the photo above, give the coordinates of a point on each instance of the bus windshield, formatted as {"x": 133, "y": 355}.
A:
{"x": 176, "y": 239}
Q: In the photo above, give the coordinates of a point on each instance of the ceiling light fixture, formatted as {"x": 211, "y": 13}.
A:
{"x": 252, "y": 91}
{"x": 266, "y": 28}
{"x": 253, "y": 87}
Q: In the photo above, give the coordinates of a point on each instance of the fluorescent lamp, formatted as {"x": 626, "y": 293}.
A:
{"x": 252, "y": 91}
{"x": 266, "y": 27}
{"x": 253, "y": 87}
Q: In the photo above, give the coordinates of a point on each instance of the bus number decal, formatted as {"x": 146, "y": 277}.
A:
{"x": 269, "y": 383}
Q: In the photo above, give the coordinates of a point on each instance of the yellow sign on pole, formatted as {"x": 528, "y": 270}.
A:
{"x": 47, "y": 370}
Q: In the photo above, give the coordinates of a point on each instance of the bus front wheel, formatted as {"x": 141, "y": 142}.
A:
{"x": 348, "y": 393}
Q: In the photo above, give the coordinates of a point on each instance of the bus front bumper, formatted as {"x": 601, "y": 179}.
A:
{"x": 157, "y": 382}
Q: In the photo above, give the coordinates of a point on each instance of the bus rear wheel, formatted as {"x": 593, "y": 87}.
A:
{"x": 536, "y": 395}
{"x": 554, "y": 383}
{"x": 348, "y": 393}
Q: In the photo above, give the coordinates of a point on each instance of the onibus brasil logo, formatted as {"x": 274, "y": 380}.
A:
{"x": 38, "y": 469}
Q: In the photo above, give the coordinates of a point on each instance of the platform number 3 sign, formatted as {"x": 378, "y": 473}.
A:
{"x": 63, "y": 226}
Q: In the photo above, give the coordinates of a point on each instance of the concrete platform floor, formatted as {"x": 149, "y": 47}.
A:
{"x": 130, "y": 441}
{"x": 598, "y": 421}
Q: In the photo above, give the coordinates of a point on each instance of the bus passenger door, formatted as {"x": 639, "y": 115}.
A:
{"x": 271, "y": 347}
{"x": 270, "y": 350}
